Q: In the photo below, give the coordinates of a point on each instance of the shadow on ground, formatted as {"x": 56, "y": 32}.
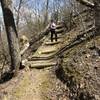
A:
{"x": 7, "y": 76}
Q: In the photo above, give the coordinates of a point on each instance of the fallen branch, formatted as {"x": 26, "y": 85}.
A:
{"x": 86, "y": 3}
{"x": 34, "y": 40}
{"x": 40, "y": 36}
{"x": 25, "y": 48}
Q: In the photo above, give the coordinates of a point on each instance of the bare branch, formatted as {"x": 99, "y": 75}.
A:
{"x": 87, "y": 3}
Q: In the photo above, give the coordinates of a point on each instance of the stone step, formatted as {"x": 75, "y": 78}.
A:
{"x": 41, "y": 64}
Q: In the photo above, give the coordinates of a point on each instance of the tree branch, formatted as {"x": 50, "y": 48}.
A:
{"x": 86, "y": 3}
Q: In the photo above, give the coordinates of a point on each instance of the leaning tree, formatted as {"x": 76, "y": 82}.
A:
{"x": 12, "y": 36}
{"x": 95, "y": 5}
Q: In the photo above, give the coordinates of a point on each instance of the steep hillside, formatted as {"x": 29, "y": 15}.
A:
{"x": 81, "y": 69}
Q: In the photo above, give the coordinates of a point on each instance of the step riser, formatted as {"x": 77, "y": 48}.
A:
{"x": 58, "y": 37}
{"x": 58, "y": 27}
{"x": 59, "y": 32}
{"x": 41, "y": 66}
{"x": 47, "y": 52}
{"x": 52, "y": 43}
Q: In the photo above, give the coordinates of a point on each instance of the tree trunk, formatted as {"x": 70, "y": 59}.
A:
{"x": 46, "y": 13}
{"x": 12, "y": 37}
{"x": 97, "y": 16}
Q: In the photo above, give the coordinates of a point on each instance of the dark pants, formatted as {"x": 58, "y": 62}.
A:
{"x": 53, "y": 33}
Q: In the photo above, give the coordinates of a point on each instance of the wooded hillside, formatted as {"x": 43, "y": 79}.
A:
{"x": 38, "y": 62}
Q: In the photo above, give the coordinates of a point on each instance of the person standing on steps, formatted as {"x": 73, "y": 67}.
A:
{"x": 52, "y": 30}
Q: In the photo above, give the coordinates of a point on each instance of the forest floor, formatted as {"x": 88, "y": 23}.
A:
{"x": 37, "y": 84}
{"x": 33, "y": 85}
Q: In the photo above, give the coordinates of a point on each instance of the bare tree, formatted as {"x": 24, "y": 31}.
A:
{"x": 46, "y": 13}
{"x": 18, "y": 13}
{"x": 12, "y": 36}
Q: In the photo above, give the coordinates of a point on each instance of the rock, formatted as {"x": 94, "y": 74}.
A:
{"x": 97, "y": 97}
{"x": 88, "y": 55}
{"x": 83, "y": 52}
{"x": 82, "y": 83}
{"x": 24, "y": 62}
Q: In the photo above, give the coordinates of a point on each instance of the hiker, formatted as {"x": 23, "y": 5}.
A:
{"x": 52, "y": 30}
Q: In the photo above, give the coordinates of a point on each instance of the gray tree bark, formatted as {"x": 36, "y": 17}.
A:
{"x": 97, "y": 15}
{"x": 12, "y": 36}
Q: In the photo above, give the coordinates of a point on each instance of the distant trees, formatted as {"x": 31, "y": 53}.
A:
{"x": 12, "y": 35}
{"x": 46, "y": 13}
{"x": 36, "y": 14}
{"x": 18, "y": 13}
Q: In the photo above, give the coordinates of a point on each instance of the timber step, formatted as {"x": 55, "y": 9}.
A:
{"x": 37, "y": 58}
{"x": 48, "y": 50}
{"x": 59, "y": 31}
{"x": 89, "y": 24}
{"x": 41, "y": 64}
{"x": 59, "y": 23}
{"x": 42, "y": 55}
{"x": 59, "y": 26}
{"x": 58, "y": 39}
{"x": 58, "y": 36}
{"x": 52, "y": 43}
